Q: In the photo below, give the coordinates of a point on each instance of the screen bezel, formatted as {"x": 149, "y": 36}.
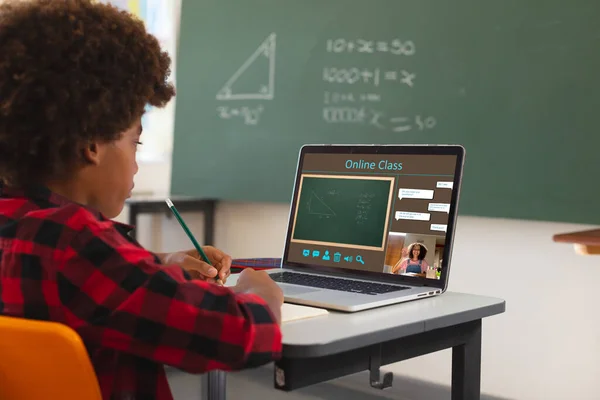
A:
{"x": 383, "y": 149}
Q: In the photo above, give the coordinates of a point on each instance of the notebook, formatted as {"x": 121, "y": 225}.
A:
{"x": 293, "y": 312}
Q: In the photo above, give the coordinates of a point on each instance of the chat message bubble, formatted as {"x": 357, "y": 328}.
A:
{"x": 445, "y": 185}
{"x": 414, "y": 216}
{"x": 439, "y": 207}
{"x": 415, "y": 194}
{"x": 439, "y": 227}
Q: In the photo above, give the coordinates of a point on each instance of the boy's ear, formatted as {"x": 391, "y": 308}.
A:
{"x": 91, "y": 153}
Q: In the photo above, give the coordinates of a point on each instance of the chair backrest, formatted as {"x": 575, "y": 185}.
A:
{"x": 44, "y": 360}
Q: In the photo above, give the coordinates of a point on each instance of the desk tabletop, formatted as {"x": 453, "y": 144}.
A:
{"x": 339, "y": 331}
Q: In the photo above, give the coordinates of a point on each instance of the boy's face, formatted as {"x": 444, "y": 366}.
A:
{"x": 111, "y": 177}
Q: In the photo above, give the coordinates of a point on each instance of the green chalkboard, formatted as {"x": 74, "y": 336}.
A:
{"x": 346, "y": 210}
{"x": 515, "y": 81}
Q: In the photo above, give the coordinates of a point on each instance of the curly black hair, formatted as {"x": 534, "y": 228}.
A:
{"x": 422, "y": 253}
{"x": 71, "y": 72}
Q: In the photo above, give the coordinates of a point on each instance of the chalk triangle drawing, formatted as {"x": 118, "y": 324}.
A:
{"x": 264, "y": 54}
{"x": 317, "y": 206}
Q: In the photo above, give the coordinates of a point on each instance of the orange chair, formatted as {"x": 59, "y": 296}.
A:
{"x": 44, "y": 360}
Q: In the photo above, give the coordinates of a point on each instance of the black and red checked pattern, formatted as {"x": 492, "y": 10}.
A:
{"x": 63, "y": 262}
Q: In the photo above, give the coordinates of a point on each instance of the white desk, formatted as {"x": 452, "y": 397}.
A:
{"x": 331, "y": 346}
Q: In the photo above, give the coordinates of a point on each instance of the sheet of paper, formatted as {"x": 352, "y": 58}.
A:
{"x": 293, "y": 312}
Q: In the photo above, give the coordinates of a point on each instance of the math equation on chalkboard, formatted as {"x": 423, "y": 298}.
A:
{"x": 353, "y": 94}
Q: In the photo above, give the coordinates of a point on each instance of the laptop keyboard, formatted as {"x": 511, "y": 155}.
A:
{"x": 344, "y": 285}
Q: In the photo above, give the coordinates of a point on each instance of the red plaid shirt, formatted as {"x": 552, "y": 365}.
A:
{"x": 60, "y": 261}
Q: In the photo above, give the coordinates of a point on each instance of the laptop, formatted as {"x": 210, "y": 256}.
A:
{"x": 370, "y": 225}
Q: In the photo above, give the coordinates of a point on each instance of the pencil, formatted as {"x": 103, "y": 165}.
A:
{"x": 189, "y": 233}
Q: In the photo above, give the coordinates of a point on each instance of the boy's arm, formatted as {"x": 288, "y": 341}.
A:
{"x": 115, "y": 296}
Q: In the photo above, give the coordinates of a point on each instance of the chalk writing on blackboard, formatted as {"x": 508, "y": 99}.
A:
{"x": 363, "y": 206}
{"x": 345, "y": 114}
{"x": 250, "y": 115}
{"x": 261, "y": 61}
{"x": 351, "y": 95}
{"x": 317, "y": 206}
{"x": 363, "y": 115}
{"x": 367, "y": 46}
{"x": 351, "y": 75}
{"x": 372, "y": 76}
{"x": 425, "y": 122}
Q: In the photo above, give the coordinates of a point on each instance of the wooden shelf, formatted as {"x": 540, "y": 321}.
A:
{"x": 585, "y": 242}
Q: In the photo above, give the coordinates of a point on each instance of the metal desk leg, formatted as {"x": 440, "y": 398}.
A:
{"x": 209, "y": 223}
{"x": 214, "y": 385}
{"x": 466, "y": 366}
{"x": 132, "y": 220}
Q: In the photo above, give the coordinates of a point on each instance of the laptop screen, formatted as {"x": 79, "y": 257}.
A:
{"x": 377, "y": 213}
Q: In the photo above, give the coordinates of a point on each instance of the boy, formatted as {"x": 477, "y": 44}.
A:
{"x": 75, "y": 77}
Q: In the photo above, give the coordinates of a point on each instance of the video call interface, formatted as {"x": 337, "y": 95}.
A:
{"x": 373, "y": 212}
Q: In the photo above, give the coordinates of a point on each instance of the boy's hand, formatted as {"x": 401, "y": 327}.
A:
{"x": 192, "y": 262}
{"x": 261, "y": 284}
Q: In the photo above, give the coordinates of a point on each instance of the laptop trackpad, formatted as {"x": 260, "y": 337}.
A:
{"x": 290, "y": 290}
